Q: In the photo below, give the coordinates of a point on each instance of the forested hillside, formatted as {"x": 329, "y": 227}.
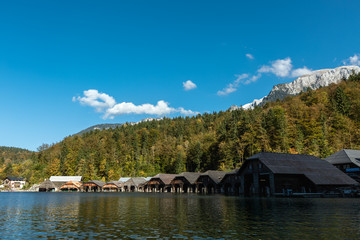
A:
{"x": 318, "y": 122}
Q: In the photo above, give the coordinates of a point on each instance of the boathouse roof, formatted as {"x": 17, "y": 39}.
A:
{"x": 124, "y": 179}
{"x": 116, "y": 183}
{"x": 71, "y": 184}
{"x": 165, "y": 178}
{"x": 216, "y": 176}
{"x": 96, "y": 182}
{"x": 65, "y": 178}
{"x": 191, "y": 177}
{"x": 47, "y": 184}
{"x": 345, "y": 156}
{"x": 317, "y": 170}
{"x": 135, "y": 181}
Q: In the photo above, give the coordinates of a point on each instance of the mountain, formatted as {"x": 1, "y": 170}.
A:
{"x": 314, "y": 80}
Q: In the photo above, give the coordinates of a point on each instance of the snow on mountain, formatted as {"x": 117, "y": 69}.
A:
{"x": 314, "y": 80}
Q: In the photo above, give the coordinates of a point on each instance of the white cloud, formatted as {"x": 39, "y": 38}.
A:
{"x": 252, "y": 79}
{"x": 283, "y": 68}
{"x": 97, "y": 100}
{"x": 189, "y": 85}
{"x": 229, "y": 89}
{"x": 249, "y": 56}
{"x": 300, "y": 72}
{"x": 102, "y": 102}
{"x": 355, "y": 60}
{"x": 280, "y": 67}
{"x": 232, "y": 87}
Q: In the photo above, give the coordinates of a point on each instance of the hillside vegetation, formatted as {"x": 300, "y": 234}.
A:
{"x": 319, "y": 123}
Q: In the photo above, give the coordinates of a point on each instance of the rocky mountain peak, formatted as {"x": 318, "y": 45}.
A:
{"x": 314, "y": 80}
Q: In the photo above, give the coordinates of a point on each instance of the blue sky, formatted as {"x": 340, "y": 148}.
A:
{"x": 131, "y": 53}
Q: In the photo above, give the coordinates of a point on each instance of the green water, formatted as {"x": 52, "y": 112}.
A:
{"x": 168, "y": 216}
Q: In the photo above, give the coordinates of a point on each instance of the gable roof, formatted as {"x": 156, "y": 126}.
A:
{"x": 165, "y": 178}
{"x": 135, "y": 181}
{"x": 65, "y": 178}
{"x": 99, "y": 183}
{"x": 71, "y": 184}
{"x": 116, "y": 183}
{"x": 191, "y": 177}
{"x": 216, "y": 176}
{"x": 345, "y": 156}
{"x": 232, "y": 172}
{"x": 317, "y": 170}
{"x": 124, "y": 179}
{"x": 15, "y": 178}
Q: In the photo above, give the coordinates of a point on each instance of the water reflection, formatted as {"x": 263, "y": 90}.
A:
{"x": 165, "y": 216}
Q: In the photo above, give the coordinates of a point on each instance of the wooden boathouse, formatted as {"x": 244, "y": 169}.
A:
{"x": 160, "y": 183}
{"x": 185, "y": 182}
{"x": 267, "y": 174}
{"x": 113, "y": 186}
{"x": 135, "y": 184}
{"x": 93, "y": 186}
{"x": 47, "y": 186}
{"x": 71, "y": 186}
{"x": 348, "y": 161}
{"x": 210, "y": 181}
{"x": 231, "y": 183}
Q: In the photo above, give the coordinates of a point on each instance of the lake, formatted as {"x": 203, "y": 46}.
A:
{"x": 167, "y": 216}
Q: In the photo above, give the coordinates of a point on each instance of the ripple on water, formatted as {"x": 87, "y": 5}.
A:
{"x": 156, "y": 216}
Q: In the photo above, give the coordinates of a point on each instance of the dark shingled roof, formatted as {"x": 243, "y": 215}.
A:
{"x": 191, "y": 177}
{"x": 15, "y": 178}
{"x": 318, "y": 171}
{"x": 216, "y": 176}
{"x": 135, "y": 181}
{"x": 165, "y": 178}
{"x": 345, "y": 156}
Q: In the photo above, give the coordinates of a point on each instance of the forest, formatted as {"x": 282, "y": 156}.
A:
{"x": 317, "y": 122}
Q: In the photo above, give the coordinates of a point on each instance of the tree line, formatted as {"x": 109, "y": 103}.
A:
{"x": 319, "y": 122}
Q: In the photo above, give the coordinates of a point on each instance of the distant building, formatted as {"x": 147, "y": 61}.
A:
{"x": 210, "y": 181}
{"x": 267, "y": 174}
{"x": 93, "y": 186}
{"x": 14, "y": 182}
{"x": 59, "y": 181}
{"x": 160, "y": 183}
{"x": 113, "y": 186}
{"x": 185, "y": 182}
{"x": 348, "y": 161}
{"x": 124, "y": 179}
{"x": 71, "y": 186}
{"x": 135, "y": 184}
{"x": 231, "y": 183}
{"x": 47, "y": 186}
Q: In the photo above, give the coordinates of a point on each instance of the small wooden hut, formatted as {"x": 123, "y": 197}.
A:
{"x": 93, "y": 186}
{"x": 160, "y": 183}
{"x": 47, "y": 186}
{"x": 185, "y": 182}
{"x": 210, "y": 181}
{"x": 135, "y": 184}
{"x": 113, "y": 186}
{"x": 71, "y": 186}
{"x": 231, "y": 183}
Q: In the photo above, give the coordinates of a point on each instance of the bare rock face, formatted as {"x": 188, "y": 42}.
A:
{"x": 314, "y": 80}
